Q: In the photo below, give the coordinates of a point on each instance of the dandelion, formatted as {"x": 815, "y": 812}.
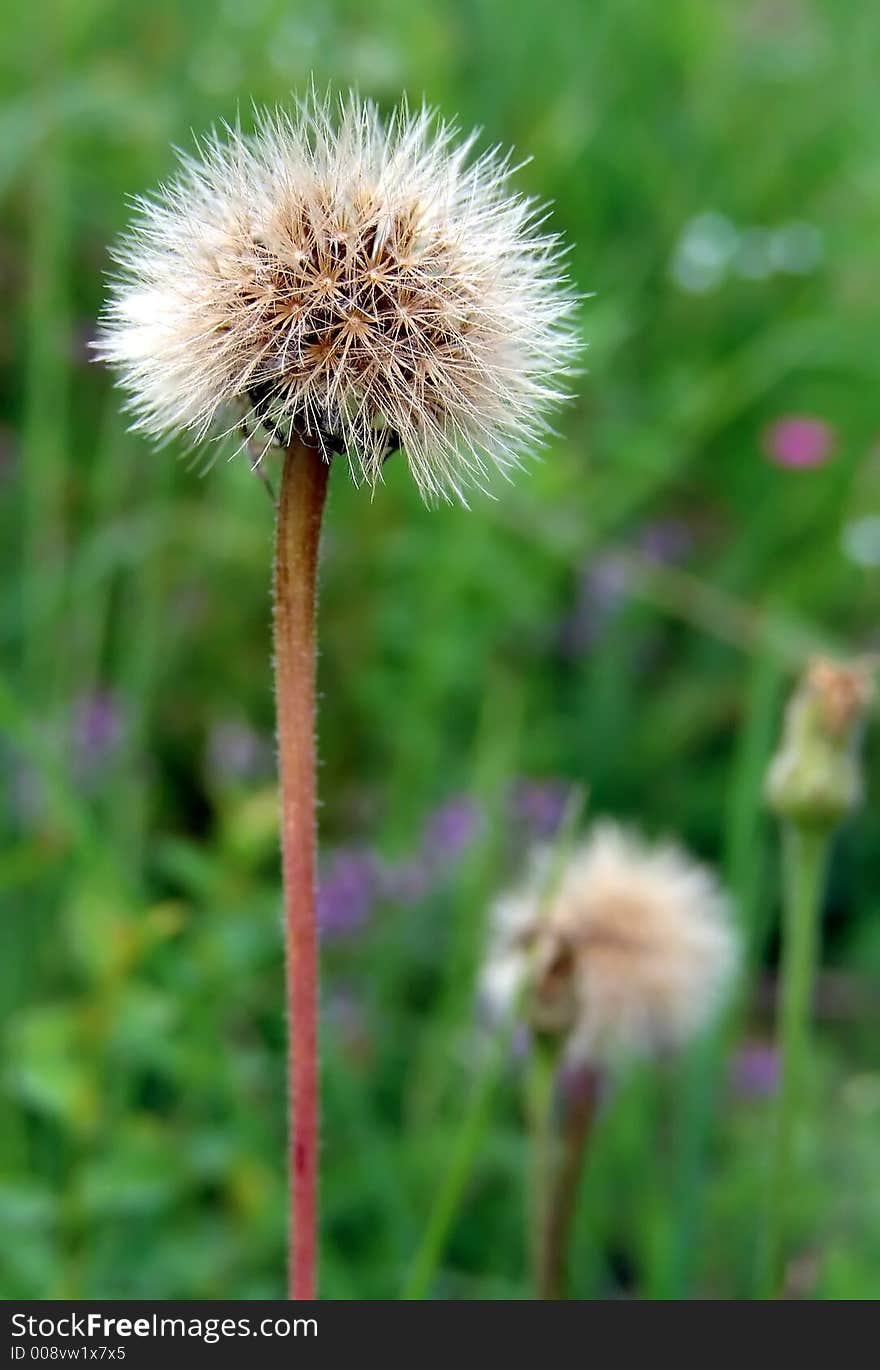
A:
{"x": 629, "y": 951}
{"x": 359, "y": 285}
{"x": 335, "y": 285}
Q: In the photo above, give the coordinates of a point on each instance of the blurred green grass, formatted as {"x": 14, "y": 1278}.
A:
{"x": 625, "y": 615}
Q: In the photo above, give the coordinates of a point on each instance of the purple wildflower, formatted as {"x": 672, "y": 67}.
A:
{"x": 755, "y": 1070}
{"x": 450, "y": 831}
{"x": 604, "y": 580}
{"x": 602, "y": 586}
{"x": 539, "y": 805}
{"x": 665, "y": 540}
{"x": 347, "y": 892}
{"x": 355, "y": 879}
{"x": 97, "y": 731}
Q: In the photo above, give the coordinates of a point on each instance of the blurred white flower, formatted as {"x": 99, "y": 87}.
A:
{"x": 861, "y": 540}
{"x": 704, "y": 252}
{"x": 797, "y": 248}
{"x": 711, "y": 247}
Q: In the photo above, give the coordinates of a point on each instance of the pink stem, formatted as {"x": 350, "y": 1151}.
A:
{"x": 298, "y": 530}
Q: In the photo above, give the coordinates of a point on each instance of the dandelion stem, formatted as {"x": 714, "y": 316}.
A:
{"x": 545, "y": 1158}
{"x": 805, "y": 853}
{"x": 300, "y": 506}
{"x": 578, "y": 1109}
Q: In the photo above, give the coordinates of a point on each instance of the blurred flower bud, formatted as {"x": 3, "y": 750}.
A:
{"x": 815, "y": 778}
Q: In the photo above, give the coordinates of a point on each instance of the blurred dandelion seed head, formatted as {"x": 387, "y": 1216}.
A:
{"x": 631, "y": 953}
{"x": 367, "y": 285}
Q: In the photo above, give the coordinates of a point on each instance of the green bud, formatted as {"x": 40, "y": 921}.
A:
{"x": 815, "y": 778}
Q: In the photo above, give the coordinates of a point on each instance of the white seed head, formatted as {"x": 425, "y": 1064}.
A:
{"x": 631, "y": 952}
{"x": 366, "y": 285}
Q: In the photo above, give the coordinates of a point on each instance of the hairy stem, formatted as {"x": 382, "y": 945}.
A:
{"x": 805, "y": 861}
{"x": 298, "y": 529}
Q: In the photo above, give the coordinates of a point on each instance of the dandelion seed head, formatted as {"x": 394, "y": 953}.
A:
{"x": 362, "y": 284}
{"x": 630, "y": 952}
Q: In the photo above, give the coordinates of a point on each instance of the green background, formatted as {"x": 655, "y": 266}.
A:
{"x": 627, "y": 615}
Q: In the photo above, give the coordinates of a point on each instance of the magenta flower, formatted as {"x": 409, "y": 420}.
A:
{"x": 798, "y": 442}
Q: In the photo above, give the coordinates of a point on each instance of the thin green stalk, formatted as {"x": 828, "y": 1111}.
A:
{"x": 466, "y": 1149}
{"x": 703, "y": 1069}
{"x": 805, "y": 860}
{"x": 495, "y": 753}
{"x": 45, "y": 418}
